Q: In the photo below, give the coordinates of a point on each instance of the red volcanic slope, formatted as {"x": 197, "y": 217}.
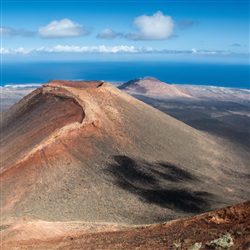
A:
{"x": 86, "y": 151}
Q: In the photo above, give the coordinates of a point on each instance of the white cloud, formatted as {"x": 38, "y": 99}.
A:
{"x": 200, "y": 52}
{"x": 62, "y": 28}
{"x": 89, "y": 49}
{"x": 75, "y": 49}
{"x": 194, "y": 51}
{"x": 20, "y": 50}
{"x": 109, "y": 34}
{"x": 156, "y": 27}
{"x": 6, "y": 31}
{"x": 4, "y": 51}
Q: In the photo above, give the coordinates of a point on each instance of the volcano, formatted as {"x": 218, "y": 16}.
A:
{"x": 86, "y": 151}
{"x": 153, "y": 87}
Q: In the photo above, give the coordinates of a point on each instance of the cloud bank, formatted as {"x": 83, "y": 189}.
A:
{"x": 74, "y": 49}
{"x": 4, "y": 51}
{"x": 89, "y": 49}
{"x": 62, "y": 28}
{"x": 102, "y": 49}
{"x": 21, "y": 86}
{"x": 205, "y": 52}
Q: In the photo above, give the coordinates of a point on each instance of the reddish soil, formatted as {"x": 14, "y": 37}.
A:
{"x": 234, "y": 220}
{"x": 75, "y": 84}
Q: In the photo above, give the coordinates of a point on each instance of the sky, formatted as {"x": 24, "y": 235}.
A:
{"x": 176, "y": 30}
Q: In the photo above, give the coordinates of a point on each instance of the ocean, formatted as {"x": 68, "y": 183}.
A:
{"x": 224, "y": 75}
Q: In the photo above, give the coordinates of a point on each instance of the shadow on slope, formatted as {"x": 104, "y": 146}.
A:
{"x": 160, "y": 183}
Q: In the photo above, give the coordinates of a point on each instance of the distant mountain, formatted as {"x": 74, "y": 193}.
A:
{"x": 153, "y": 87}
{"x": 76, "y": 152}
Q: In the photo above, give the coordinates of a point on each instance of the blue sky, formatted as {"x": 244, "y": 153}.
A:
{"x": 207, "y": 31}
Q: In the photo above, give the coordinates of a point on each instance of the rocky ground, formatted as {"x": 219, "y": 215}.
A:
{"x": 226, "y": 228}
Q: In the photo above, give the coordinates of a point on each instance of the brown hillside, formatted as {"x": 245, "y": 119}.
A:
{"x": 86, "y": 151}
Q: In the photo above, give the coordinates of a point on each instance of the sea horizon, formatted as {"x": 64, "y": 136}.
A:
{"x": 203, "y": 74}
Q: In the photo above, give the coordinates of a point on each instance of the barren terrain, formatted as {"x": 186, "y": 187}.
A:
{"x": 226, "y": 228}
{"x": 81, "y": 157}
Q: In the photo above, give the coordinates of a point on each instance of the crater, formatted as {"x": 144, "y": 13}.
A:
{"x": 35, "y": 121}
{"x": 77, "y": 84}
